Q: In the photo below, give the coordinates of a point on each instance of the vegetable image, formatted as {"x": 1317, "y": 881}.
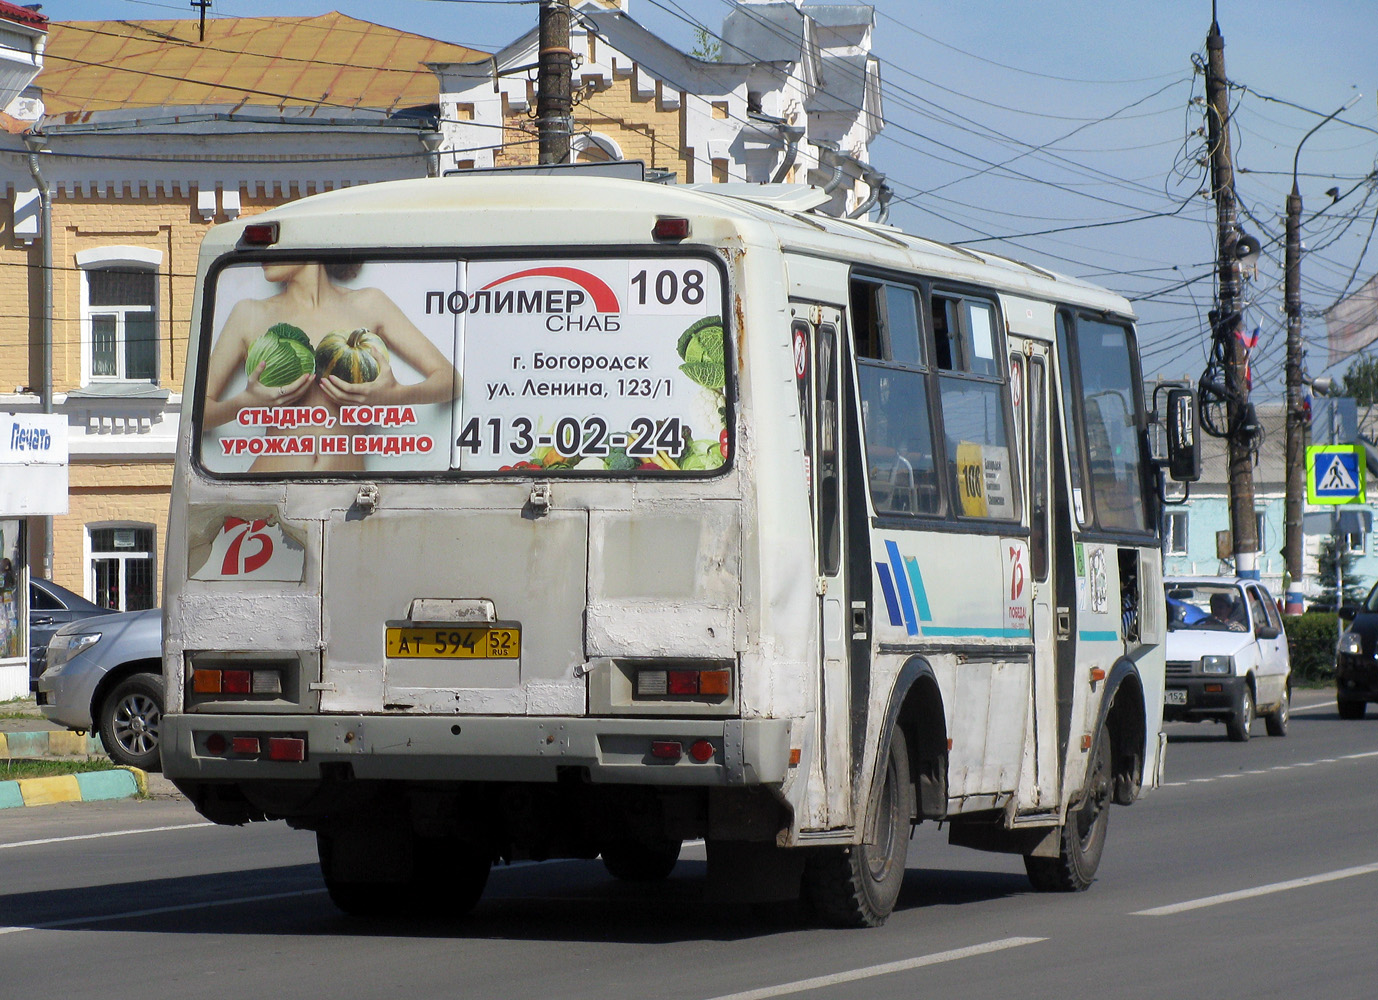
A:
{"x": 701, "y": 346}
{"x": 346, "y": 355}
{"x": 287, "y": 351}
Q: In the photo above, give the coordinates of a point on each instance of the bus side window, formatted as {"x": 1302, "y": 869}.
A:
{"x": 893, "y": 386}
{"x": 866, "y": 318}
{"x": 829, "y": 467}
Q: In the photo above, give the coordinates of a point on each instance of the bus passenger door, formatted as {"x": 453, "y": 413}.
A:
{"x": 822, "y": 386}
{"x": 1045, "y": 626}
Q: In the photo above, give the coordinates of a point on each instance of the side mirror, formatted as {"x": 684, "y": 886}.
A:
{"x": 1183, "y": 436}
{"x": 1267, "y": 632}
{"x": 1349, "y": 612}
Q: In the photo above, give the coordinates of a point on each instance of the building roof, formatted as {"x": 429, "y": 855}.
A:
{"x": 331, "y": 62}
{"x": 22, "y": 15}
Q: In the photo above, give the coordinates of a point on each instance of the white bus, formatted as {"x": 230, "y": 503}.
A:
{"x": 528, "y": 517}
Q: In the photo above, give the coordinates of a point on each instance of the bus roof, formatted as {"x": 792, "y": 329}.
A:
{"x": 611, "y": 210}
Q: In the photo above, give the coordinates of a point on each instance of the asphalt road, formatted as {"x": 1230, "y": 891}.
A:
{"x": 1253, "y": 872}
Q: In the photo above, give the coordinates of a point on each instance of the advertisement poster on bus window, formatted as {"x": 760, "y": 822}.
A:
{"x": 603, "y": 365}
{"x": 329, "y": 368}
{"x": 608, "y": 365}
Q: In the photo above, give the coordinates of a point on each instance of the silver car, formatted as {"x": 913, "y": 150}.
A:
{"x": 105, "y": 675}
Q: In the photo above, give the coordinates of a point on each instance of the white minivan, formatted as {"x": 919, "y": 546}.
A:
{"x": 1227, "y": 657}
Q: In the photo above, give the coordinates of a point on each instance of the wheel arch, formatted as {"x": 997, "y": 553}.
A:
{"x": 1123, "y": 711}
{"x": 115, "y": 675}
{"x": 915, "y": 706}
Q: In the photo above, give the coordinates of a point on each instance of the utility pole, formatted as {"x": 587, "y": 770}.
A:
{"x": 1296, "y": 419}
{"x": 203, "y": 4}
{"x": 554, "y": 103}
{"x": 1226, "y": 319}
{"x": 1295, "y": 597}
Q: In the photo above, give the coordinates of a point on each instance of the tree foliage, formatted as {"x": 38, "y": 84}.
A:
{"x": 1361, "y": 381}
{"x": 1335, "y": 554}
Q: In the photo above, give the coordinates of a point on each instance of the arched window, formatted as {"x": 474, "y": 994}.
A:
{"x": 119, "y": 313}
{"x": 122, "y": 573}
{"x": 593, "y": 147}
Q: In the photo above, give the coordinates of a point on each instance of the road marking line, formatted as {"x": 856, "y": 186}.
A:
{"x": 1312, "y": 708}
{"x": 1360, "y": 756}
{"x": 1263, "y": 890}
{"x": 98, "y": 836}
{"x": 870, "y": 971}
{"x": 157, "y": 911}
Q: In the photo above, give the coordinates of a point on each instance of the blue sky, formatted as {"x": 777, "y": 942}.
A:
{"x": 1005, "y": 119}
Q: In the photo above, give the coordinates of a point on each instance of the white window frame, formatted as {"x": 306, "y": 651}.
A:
{"x": 1351, "y": 548}
{"x": 141, "y": 258}
{"x": 596, "y": 140}
{"x": 1168, "y": 535}
{"x": 1261, "y": 526}
{"x": 91, "y": 555}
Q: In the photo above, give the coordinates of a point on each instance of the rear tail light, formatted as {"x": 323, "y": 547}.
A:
{"x": 654, "y": 683}
{"x": 701, "y": 751}
{"x": 205, "y": 681}
{"x": 245, "y": 744}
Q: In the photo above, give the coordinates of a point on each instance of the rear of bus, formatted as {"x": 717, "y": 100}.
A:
{"x": 458, "y": 548}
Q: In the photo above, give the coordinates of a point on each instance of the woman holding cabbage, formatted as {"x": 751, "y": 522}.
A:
{"x": 318, "y": 343}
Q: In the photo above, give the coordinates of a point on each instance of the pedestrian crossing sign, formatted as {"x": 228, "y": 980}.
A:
{"x": 1335, "y": 474}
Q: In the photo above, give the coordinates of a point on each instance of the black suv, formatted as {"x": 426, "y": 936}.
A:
{"x": 1356, "y": 662}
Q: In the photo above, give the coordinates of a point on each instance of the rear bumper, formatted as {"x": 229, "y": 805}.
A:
{"x": 1203, "y": 704}
{"x": 465, "y": 748}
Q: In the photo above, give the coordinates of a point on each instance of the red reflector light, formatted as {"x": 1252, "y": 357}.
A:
{"x": 205, "y": 681}
{"x": 701, "y": 751}
{"x": 666, "y": 750}
{"x": 245, "y": 744}
{"x": 683, "y": 681}
{"x": 236, "y": 681}
{"x": 671, "y": 229}
{"x": 216, "y": 744}
{"x": 1215, "y": 688}
{"x": 260, "y": 234}
{"x": 286, "y": 748}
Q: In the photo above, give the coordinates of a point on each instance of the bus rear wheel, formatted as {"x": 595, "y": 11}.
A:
{"x": 635, "y": 861}
{"x": 1082, "y": 837}
{"x": 857, "y": 886}
{"x": 446, "y": 881}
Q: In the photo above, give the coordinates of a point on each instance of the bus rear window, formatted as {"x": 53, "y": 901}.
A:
{"x": 340, "y": 365}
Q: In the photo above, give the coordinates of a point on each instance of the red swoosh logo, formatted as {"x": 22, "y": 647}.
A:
{"x": 604, "y": 298}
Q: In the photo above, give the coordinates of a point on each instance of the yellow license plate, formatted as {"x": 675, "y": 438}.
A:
{"x": 456, "y": 642}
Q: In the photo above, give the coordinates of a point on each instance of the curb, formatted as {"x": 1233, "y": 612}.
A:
{"x": 49, "y": 742}
{"x": 88, "y": 786}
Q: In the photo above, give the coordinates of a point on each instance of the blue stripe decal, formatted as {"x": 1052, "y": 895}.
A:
{"x": 983, "y": 633}
{"x": 1098, "y": 636}
{"x": 887, "y": 587}
{"x": 920, "y": 595}
{"x": 911, "y": 625}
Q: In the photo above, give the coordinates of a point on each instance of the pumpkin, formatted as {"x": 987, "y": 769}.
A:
{"x": 346, "y": 355}
{"x": 287, "y": 351}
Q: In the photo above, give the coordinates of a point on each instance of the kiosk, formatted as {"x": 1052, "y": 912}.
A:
{"x": 33, "y": 483}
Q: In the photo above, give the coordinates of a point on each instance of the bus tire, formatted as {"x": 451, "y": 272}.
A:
{"x": 858, "y": 885}
{"x": 1081, "y": 840}
{"x": 636, "y": 861}
{"x": 448, "y": 878}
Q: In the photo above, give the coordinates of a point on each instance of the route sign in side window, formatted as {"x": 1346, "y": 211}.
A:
{"x": 353, "y": 365}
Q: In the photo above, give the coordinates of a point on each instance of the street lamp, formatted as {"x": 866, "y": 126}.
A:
{"x": 1296, "y": 424}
